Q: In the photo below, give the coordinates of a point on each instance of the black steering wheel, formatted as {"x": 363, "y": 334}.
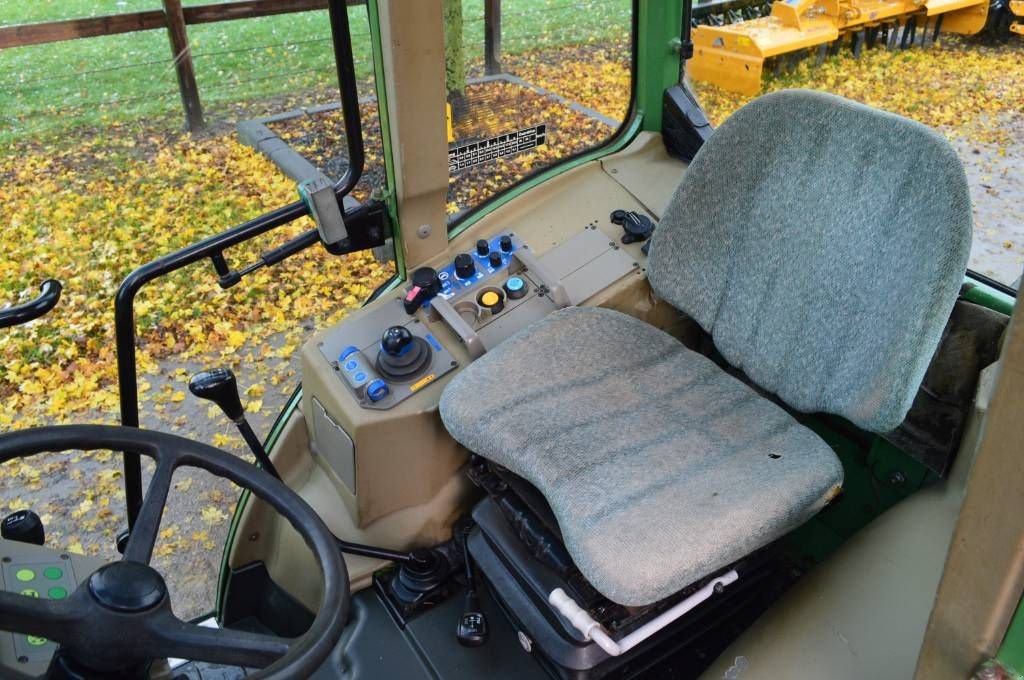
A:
{"x": 119, "y": 619}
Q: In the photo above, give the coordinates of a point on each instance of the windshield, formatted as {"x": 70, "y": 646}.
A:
{"x": 123, "y": 139}
{"x": 531, "y": 84}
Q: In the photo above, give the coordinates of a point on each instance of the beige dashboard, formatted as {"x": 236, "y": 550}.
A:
{"x": 386, "y": 472}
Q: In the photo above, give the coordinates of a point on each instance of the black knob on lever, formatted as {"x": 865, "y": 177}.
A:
{"x": 23, "y": 526}
{"x": 219, "y": 386}
{"x": 472, "y": 629}
{"x": 396, "y": 340}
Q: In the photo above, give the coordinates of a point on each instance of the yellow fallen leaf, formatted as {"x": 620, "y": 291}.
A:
{"x": 222, "y": 440}
{"x": 213, "y": 515}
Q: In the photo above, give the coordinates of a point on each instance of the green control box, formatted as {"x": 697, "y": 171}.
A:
{"x": 40, "y": 573}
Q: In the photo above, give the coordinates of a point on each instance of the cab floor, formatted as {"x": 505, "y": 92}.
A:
{"x": 375, "y": 647}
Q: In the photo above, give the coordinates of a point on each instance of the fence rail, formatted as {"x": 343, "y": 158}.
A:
{"x": 175, "y": 19}
{"x": 72, "y": 29}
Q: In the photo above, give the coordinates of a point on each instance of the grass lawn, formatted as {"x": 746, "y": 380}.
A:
{"x": 95, "y": 81}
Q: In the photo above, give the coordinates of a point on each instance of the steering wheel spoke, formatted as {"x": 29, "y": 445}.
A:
{"x": 143, "y": 535}
{"x": 50, "y": 619}
{"x": 172, "y": 637}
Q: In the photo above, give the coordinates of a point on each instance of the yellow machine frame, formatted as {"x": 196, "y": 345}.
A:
{"x": 1017, "y": 10}
{"x": 733, "y": 56}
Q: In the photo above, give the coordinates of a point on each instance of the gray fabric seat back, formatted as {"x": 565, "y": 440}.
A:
{"x": 821, "y": 244}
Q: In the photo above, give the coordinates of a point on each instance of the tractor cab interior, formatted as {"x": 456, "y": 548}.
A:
{"x": 635, "y": 413}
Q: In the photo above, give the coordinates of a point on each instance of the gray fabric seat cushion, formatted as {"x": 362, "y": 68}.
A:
{"x": 821, "y": 244}
{"x": 659, "y": 466}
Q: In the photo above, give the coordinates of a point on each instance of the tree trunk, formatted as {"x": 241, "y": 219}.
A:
{"x": 455, "y": 59}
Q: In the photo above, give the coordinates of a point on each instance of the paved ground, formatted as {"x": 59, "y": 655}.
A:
{"x": 80, "y": 496}
{"x": 996, "y": 175}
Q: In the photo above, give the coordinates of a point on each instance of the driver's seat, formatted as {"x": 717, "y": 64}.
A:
{"x": 821, "y": 244}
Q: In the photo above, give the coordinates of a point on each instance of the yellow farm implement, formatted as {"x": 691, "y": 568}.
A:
{"x": 732, "y": 45}
{"x": 1016, "y": 16}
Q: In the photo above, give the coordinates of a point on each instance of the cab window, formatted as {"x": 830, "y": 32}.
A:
{"x": 530, "y": 84}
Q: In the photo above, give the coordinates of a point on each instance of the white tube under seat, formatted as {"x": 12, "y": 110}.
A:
{"x": 592, "y": 630}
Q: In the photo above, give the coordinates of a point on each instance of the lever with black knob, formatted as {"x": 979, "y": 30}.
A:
{"x": 23, "y": 526}
{"x": 472, "y": 629}
{"x": 220, "y": 386}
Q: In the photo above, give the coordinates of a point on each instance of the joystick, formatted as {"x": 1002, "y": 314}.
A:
{"x": 396, "y": 341}
{"x": 402, "y": 354}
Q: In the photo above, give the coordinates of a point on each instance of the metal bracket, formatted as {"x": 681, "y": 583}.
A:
{"x": 541, "y": 273}
{"x": 474, "y": 345}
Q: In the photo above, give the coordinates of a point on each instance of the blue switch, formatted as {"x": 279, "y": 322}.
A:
{"x": 377, "y": 390}
{"x": 515, "y": 287}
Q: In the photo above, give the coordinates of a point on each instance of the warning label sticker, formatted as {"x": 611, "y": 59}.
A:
{"x": 508, "y": 144}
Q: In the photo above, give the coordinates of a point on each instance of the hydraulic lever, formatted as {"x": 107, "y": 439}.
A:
{"x": 472, "y": 629}
{"x": 220, "y": 386}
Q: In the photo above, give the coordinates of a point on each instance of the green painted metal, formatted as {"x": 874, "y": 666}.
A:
{"x": 373, "y": 11}
{"x": 877, "y": 476}
{"x": 659, "y": 24}
{"x": 243, "y": 498}
{"x": 1011, "y": 653}
{"x": 981, "y": 294}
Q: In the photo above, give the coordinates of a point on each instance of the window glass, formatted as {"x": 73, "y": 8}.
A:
{"x": 960, "y": 72}
{"x": 100, "y": 174}
{"x": 530, "y": 83}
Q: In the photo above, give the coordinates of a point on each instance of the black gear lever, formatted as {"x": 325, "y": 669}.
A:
{"x": 472, "y": 629}
{"x": 219, "y": 386}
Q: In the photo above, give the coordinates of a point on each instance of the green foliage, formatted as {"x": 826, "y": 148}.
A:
{"x": 454, "y": 54}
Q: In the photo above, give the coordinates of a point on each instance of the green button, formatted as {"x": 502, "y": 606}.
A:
{"x": 36, "y": 641}
{"x": 30, "y": 592}
{"x": 53, "y": 573}
{"x": 57, "y": 593}
{"x": 24, "y": 575}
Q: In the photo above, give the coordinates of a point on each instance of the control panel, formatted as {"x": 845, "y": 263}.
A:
{"x": 35, "y": 571}
{"x": 470, "y": 269}
{"x": 482, "y": 296}
{"x": 386, "y": 357}
{"x": 389, "y": 355}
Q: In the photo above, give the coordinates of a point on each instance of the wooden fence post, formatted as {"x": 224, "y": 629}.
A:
{"x": 492, "y": 36}
{"x": 182, "y": 56}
